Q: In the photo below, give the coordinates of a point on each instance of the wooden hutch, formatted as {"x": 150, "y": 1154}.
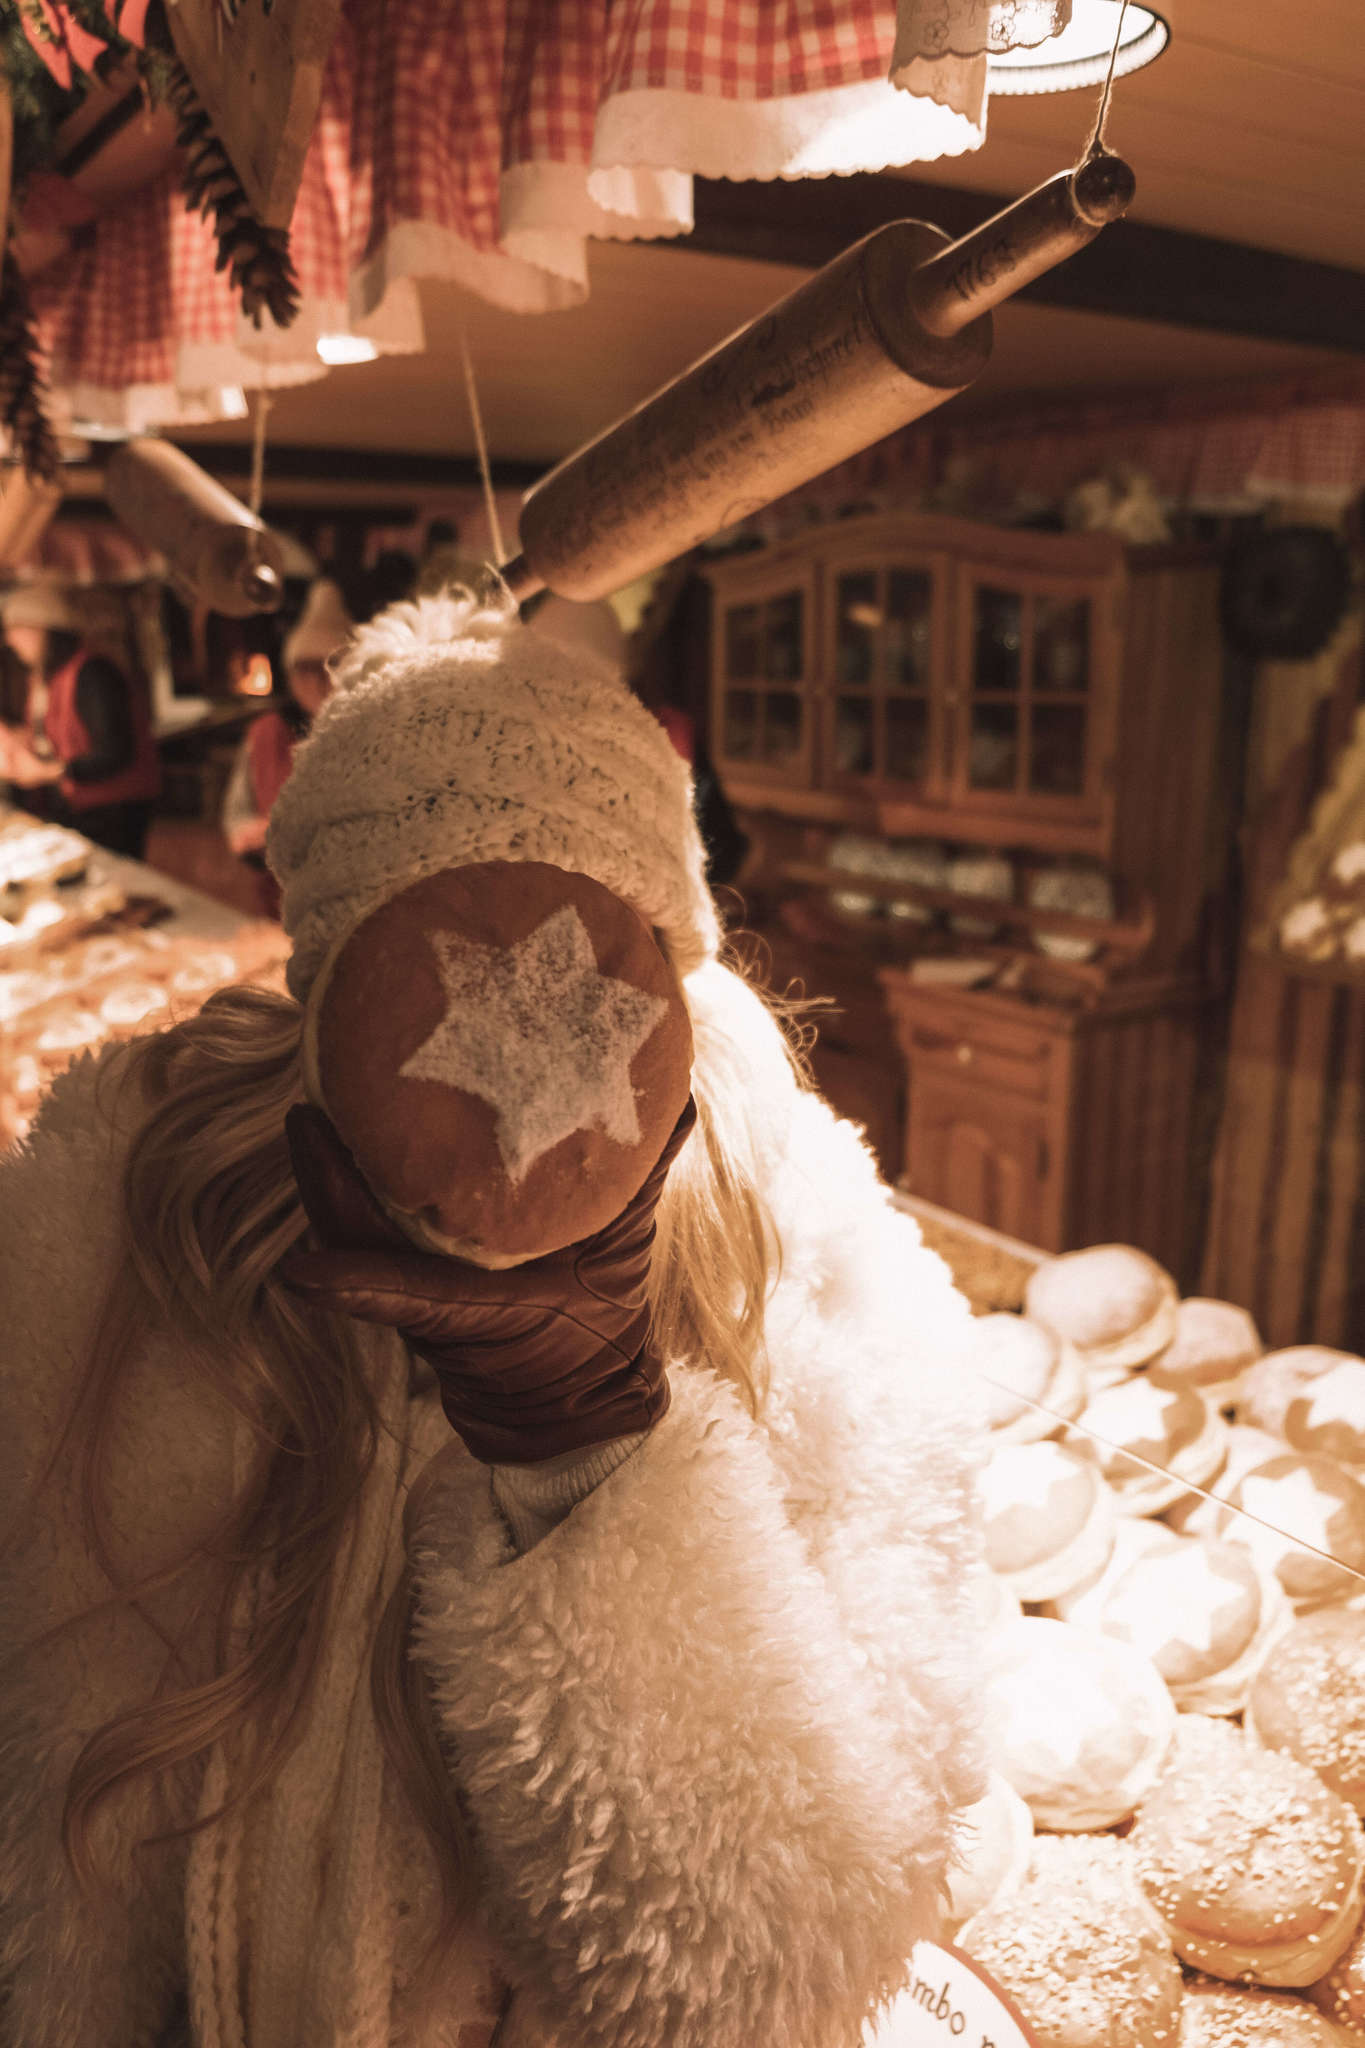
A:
{"x": 1060, "y": 701}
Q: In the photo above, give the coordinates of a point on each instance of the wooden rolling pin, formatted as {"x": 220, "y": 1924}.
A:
{"x": 877, "y": 338}
{"x": 217, "y": 551}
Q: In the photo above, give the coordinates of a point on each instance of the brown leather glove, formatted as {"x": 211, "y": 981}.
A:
{"x": 552, "y": 1356}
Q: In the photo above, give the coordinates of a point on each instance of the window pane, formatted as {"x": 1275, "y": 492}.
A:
{"x": 858, "y": 618}
{"x": 907, "y": 738}
{"x": 909, "y": 609}
{"x": 1057, "y": 750}
{"x": 853, "y": 735}
{"x": 741, "y": 724}
{"x": 782, "y": 726}
{"x": 993, "y": 762}
{"x": 999, "y": 639}
{"x": 783, "y": 653}
{"x": 1061, "y": 643}
{"x": 741, "y": 640}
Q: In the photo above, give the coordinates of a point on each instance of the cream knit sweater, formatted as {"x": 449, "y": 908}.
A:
{"x": 710, "y": 1730}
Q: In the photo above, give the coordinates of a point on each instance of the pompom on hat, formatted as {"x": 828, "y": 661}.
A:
{"x": 455, "y": 735}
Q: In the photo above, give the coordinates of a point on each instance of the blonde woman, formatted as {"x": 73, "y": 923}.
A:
{"x": 332, "y": 1710}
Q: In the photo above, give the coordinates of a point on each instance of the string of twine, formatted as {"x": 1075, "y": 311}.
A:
{"x": 1096, "y": 142}
{"x": 256, "y": 494}
{"x": 1163, "y": 1472}
{"x": 481, "y": 445}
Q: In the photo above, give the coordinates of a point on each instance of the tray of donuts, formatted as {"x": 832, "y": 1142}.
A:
{"x": 108, "y": 988}
{"x": 1171, "y": 1851}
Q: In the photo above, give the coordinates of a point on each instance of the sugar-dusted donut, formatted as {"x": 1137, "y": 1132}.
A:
{"x": 1310, "y": 1699}
{"x": 1078, "y": 1949}
{"x": 1112, "y": 1302}
{"x": 505, "y": 1050}
{"x": 1252, "y": 1862}
{"x": 1218, "y": 2015}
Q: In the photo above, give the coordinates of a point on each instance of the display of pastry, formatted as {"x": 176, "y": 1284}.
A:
{"x": 1079, "y": 1951}
{"x": 1193, "y": 1514}
{"x": 1217, "y": 2015}
{"x": 1327, "y": 1417}
{"x": 83, "y": 964}
{"x": 1112, "y": 1302}
{"x": 1206, "y": 1615}
{"x": 1142, "y": 1423}
{"x": 1080, "y": 1725}
{"x": 1212, "y": 1348}
{"x": 1312, "y": 1499}
{"x": 1309, "y": 1699}
{"x": 1019, "y": 1362}
{"x": 1253, "y": 1864}
{"x": 1280, "y": 1377}
{"x": 1341, "y": 1993}
{"x": 1048, "y": 1519}
{"x": 1134, "y": 1537}
{"x": 33, "y": 856}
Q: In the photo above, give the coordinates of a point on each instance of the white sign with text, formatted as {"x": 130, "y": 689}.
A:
{"x": 950, "y": 2002}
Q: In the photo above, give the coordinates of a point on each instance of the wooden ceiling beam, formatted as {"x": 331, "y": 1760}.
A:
{"x": 1133, "y": 270}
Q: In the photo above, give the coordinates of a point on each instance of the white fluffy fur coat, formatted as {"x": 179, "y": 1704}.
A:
{"x": 711, "y": 1732}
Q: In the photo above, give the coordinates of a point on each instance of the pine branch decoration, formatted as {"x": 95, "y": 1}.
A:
{"x": 22, "y": 396}
{"x": 256, "y": 257}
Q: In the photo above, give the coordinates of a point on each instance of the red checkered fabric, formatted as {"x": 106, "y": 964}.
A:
{"x": 425, "y": 110}
{"x": 748, "y": 49}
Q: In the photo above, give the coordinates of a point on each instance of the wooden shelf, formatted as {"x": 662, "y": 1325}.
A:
{"x": 1130, "y": 936}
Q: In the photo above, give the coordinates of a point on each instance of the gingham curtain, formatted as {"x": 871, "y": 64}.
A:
{"x": 484, "y": 143}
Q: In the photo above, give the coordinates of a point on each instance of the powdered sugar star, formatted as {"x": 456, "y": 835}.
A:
{"x": 537, "y": 1030}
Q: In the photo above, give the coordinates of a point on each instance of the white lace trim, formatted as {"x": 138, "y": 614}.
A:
{"x": 870, "y": 126}
{"x": 973, "y": 28}
{"x": 132, "y": 408}
{"x": 545, "y": 208}
{"x": 415, "y": 248}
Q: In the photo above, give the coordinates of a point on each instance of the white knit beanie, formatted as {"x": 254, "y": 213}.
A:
{"x": 454, "y": 734}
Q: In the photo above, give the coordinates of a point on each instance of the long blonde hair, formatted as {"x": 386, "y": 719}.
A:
{"x": 209, "y": 1209}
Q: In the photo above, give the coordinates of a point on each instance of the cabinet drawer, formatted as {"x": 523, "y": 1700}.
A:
{"x": 1018, "y": 1062}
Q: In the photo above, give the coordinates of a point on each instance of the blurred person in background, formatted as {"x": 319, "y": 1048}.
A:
{"x": 266, "y": 754}
{"x": 83, "y": 753}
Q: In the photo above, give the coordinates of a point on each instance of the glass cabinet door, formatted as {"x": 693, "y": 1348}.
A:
{"x": 879, "y": 727}
{"x": 764, "y": 720}
{"x": 1024, "y": 703}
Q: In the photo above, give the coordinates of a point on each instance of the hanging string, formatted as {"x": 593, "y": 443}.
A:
{"x": 1162, "y": 1472}
{"x": 485, "y": 472}
{"x": 1096, "y": 142}
{"x": 257, "y": 492}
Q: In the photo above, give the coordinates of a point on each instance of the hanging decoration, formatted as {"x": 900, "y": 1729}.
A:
{"x": 257, "y": 73}
{"x": 52, "y": 53}
{"x": 470, "y": 145}
{"x": 23, "y": 413}
{"x": 218, "y": 549}
{"x": 256, "y": 257}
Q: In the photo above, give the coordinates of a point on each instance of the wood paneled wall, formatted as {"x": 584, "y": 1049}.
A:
{"x": 1286, "y": 1234}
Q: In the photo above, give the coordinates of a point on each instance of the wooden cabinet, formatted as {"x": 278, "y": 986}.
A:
{"x": 982, "y": 1158}
{"x": 1061, "y": 1125}
{"x": 1040, "y": 698}
{"x": 956, "y": 681}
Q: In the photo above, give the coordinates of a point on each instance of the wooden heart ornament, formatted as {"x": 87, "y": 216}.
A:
{"x": 505, "y": 1050}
